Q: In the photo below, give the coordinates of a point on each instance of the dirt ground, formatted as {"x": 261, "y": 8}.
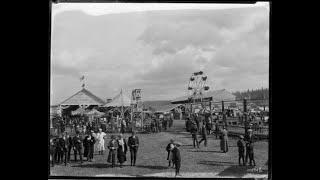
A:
{"x": 203, "y": 162}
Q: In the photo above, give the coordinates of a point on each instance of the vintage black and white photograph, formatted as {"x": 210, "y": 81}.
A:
{"x": 175, "y": 90}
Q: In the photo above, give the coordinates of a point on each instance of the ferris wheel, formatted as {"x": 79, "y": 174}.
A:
{"x": 197, "y": 85}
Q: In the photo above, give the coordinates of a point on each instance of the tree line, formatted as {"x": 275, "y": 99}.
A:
{"x": 262, "y": 93}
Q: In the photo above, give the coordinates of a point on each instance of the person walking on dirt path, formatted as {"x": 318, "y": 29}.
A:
{"x": 133, "y": 143}
{"x": 194, "y": 132}
{"x": 204, "y": 135}
{"x": 176, "y": 158}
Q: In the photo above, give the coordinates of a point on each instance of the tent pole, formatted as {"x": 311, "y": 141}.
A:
{"x": 131, "y": 114}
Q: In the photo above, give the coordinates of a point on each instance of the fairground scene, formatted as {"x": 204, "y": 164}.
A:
{"x": 141, "y": 90}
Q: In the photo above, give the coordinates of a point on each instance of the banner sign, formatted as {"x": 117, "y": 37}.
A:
{"x": 136, "y": 94}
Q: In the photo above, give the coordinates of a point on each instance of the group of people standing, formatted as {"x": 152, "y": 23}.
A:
{"x": 202, "y": 125}
{"x": 174, "y": 157}
{"x": 85, "y": 145}
{"x": 245, "y": 147}
{"x": 118, "y": 147}
{"x": 245, "y": 143}
{"x": 81, "y": 144}
{"x": 163, "y": 122}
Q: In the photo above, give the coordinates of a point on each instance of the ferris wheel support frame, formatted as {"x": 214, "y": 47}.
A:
{"x": 198, "y": 84}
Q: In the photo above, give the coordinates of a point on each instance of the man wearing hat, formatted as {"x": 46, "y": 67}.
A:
{"x": 168, "y": 149}
{"x": 133, "y": 143}
{"x": 88, "y": 144}
{"x": 224, "y": 140}
{"x": 176, "y": 158}
{"x": 113, "y": 146}
{"x": 194, "y": 131}
{"x": 249, "y": 139}
{"x": 60, "y": 148}
{"x": 52, "y": 150}
{"x": 241, "y": 145}
{"x": 204, "y": 134}
{"x": 77, "y": 146}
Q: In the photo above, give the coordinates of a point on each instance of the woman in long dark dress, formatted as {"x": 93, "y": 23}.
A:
{"x": 122, "y": 150}
{"x": 86, "y": 147}
{"x": 88, "y": 144}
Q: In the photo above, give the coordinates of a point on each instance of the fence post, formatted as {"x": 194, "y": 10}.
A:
{"x": 245, "y": 116}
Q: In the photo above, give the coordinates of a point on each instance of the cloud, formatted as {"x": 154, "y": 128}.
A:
{"x": 157, "y": 51}
{"x": 229, "y": 44}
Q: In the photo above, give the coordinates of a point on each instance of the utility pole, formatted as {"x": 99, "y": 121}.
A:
{"x": 245, "y": 116}
{"x": 223, "y": 115}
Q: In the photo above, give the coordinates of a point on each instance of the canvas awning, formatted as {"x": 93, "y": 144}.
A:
{"x": 79, "y": 111}
{"x": 95, "y": 112}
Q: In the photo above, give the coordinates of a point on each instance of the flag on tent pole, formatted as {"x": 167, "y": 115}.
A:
{"x": 82, "y": 78}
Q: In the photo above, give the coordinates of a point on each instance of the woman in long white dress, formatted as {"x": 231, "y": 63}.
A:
{"x": 100, "y": 144}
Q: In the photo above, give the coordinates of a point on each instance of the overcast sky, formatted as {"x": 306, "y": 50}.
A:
{"x": 157, "y": 50}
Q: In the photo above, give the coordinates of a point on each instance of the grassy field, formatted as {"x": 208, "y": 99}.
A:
{"x": 152, "y": 158}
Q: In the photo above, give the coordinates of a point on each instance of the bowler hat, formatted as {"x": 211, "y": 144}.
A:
{"x": 177, "y": 144}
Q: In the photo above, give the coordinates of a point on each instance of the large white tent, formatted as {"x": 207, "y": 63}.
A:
{"x": 120, "y": 100}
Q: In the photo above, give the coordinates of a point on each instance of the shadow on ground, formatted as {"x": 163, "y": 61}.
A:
{"x": 96, "y": 165}
{"x": 216, "y": 163}
{"x": 152, "y": 167}
{"x": 240, "y": 171}
{"x": 205, "y": 151}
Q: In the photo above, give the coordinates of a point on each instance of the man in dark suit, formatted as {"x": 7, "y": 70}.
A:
{"x": 241, "y": 145}
{"x": 133, "y": 143}
{"x": 60, "y": 149}
{"x": 176, "y": 158}
{"x": 88, "y": 144}
{"x": 77, "y": 146}
{"x": 69, "y": 144}
{"x": 204, "y": 135}
{"x": 64, "y": 143}
{"x": 188, "y": 124}
{"x": 194, "y": 132}
{"x": 249, "y": 139}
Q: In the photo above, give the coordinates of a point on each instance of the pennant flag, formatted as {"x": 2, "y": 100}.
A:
{"x": 82, "y": 78}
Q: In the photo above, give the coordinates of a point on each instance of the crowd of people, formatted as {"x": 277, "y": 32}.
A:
{"x": 204, "y": 124}
{"x": 84, "y": 145}
{"x": 159, "y": 123}
{"x": 87, "y": 140}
